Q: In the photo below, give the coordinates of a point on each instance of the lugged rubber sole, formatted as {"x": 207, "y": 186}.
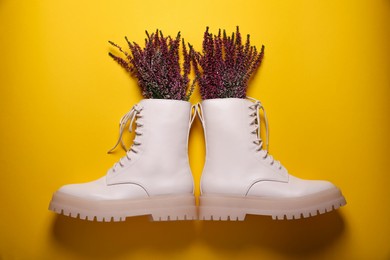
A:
{"x": 222, "y": 207}
{"x": 160, "y": 208}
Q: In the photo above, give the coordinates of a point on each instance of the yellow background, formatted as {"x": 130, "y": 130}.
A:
{"x": 324, "y": 82}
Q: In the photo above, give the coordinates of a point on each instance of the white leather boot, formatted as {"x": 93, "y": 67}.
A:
{"x": 240, "y": 177}
{"x": 154, "y": 178}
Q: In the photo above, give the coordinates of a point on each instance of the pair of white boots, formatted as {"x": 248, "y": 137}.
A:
{"x": 154, "y": 178}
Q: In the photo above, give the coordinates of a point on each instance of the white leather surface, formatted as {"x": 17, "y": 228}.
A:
{"x": 232, "y": 163}
{"x": 294, "y": 188}
{"x": 233, "y": 166}
{"x": 99, "y": 190}
{"x": 161, "y": 165}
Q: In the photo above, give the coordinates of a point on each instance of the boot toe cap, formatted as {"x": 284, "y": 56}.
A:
{"x": 295, "y": 187}
{"x": 99, "y": 190}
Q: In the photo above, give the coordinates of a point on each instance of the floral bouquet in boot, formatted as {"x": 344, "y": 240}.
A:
{"x": 226, "y": 65}
{"x": 157, "y": 66}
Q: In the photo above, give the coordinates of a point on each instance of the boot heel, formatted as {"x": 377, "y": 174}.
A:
{"x": 171, "y": 208}
{"x": 220, "y": 208}
{"x": 220, "y": 213}
{"x": 173, "y": 214}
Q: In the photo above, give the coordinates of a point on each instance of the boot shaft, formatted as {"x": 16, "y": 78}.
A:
{"x": 159, "y": 162}
{"x": 164, "y": 127}
{"x": 233, "y": 161}
{"x": 227, "y": 125}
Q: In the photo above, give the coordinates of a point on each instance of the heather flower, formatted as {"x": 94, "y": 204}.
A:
{"x": 226, "y": 65}
{"x": 157, "y": 66}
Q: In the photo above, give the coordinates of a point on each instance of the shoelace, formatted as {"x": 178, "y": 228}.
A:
{"x": 257, "y": 107}
{"x": 129, "y": 116}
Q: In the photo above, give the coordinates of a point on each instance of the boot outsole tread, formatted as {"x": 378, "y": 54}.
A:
{"x": 229, "y": 208}
{"x": 159, "y": 208}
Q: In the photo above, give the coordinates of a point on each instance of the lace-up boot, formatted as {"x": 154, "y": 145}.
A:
{"x": 153, "y": 178}
{"x": 240, "y": 177}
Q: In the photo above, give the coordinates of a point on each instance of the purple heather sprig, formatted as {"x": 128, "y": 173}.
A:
{"x": 226, "y": 65}
{"x": 157, "y": 66}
